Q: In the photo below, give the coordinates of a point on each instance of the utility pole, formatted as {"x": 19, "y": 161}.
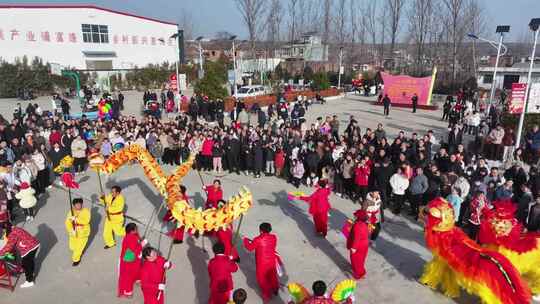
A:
{"x": 340, "y": 67}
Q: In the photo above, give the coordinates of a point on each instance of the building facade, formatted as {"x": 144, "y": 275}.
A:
{"x": 85, "y": 37}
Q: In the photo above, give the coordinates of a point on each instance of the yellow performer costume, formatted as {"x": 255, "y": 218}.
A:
{"x": 114, "y": 220}
{"x": 78, "y": 228}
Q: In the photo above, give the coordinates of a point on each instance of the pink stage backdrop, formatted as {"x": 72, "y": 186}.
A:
{"x": 401, "y": 88}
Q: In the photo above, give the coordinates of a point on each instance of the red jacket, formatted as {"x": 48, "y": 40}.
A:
{"x": 152, "y": 273}
{"x": 220, "y": 270}
{"x": 265, "y": 249}
{"x": 55, "y": 137}
{"x": 358, "y": 237}
{"x": 279, "y": 159}
{"x": 131, "y": 242}
{"x": 207, "y": 147}
{"x": 226, "y": 238}
{"x": 318, "y": 201}
{"x": 21, "y": 240}
{"x": 213, "y": 195}
{"x": 361, "y": 175}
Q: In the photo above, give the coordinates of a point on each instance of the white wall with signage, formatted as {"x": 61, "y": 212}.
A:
{"x": 533, "y": 106}
{"x": 84, "y": 37}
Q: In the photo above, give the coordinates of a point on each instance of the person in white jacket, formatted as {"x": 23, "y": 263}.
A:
{"x": 399, "y": 183}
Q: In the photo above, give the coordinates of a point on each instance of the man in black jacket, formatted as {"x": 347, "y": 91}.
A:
{"x": 381, "y": 182}
{"x": 232, "y": 148}
{"x": 386, "y": 103}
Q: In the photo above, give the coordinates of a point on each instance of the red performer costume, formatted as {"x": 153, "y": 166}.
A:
{"x": 358, "y": 243}
{"x": 214, "y": 194}
{"x": 225, "y": 236}
{"x": 152, "y": 276}
{"x": 267, "y": 259}
{"x": 220, "y": 270}
{"x": 177, "y": 234}
{"x": 130, "y": 261}
{"x": 319, "y": 207}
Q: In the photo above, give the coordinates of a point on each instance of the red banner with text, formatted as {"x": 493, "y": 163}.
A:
{"x": 517, "y": 98}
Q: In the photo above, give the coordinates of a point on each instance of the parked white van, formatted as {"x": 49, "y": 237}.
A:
{"x": 250, "y": 91}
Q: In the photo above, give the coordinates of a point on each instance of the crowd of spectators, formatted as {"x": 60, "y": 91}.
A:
{"x": 471, "y": 166}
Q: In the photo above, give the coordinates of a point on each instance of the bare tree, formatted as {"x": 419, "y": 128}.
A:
{"x": 186, "y": 23}
{"x": 394, "y": 9}
{"x": 222, "y": 35}
{"x": 420, "y": 18}
{"x": 273, "y": 21}
{"x": 369, "y": 23}
{"x": 327, "y": 20}
{"x": 252, "y": 12}
{"x": 293, "y": 6}
{"x": 382, "y": 28}
{"x": 477, "y": 25}
{"x": 340, "y": 19}
{"x": 455, "y": 10}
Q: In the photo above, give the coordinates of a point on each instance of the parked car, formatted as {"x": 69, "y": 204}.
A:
{"x": 250, "y": 91}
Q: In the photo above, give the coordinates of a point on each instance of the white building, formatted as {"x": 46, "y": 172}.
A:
{"x": 517, "y": 73}
{"x": 85, "y": 37}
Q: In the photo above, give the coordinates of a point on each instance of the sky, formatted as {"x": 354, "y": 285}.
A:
{"x": 211, "y": 16}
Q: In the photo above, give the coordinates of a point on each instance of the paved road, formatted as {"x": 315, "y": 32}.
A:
{"x": 393, "y": 265}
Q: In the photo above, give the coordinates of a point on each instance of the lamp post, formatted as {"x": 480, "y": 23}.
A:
{"x": 534, "y": 26}
{"x": 175, "y": 36}
{"x": 201, "y": 68}
{"x": 235, "y": 88}
{"x": 501, "y": 29}
{"x": 340, "y": 62}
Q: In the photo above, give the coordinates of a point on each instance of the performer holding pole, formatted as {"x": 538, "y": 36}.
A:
{"x": 225, "y": 237}
{"x": 130, "y": 261}
{"x": 267, "y": 260}
{"x": 319, "y": 206}
{"x": 78, "y": 228}
{"x": 114, "y": 223}
{"x": 152, "y": 276}
{"x": 214, "y": 194}
{"x": 220, "y": 270}
{"x": 177, "y": 234}
{"x": 25, "y": 245}
{"x": 358, "y": 244}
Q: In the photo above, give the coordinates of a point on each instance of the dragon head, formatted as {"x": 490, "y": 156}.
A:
{"x": 439, "y": 215}
{"x": 499, "y": 223}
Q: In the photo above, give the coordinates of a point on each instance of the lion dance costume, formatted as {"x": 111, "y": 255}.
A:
{"x": 458, "y": 262}
{"x": 501, "y": 231}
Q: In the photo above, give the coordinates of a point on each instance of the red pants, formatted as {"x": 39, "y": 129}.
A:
{"x": 267, "y": 279}
{"x": 177, "y": 234}
{"x": 321, "y": 222}
{"x": 219, "y": 297}
{"x": 150, "y": 295}
{"x": 358, "y": 260}
{"x": 129, "y": 272}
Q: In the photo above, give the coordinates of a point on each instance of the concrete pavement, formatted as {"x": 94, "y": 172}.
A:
{"x": 393, "y": 265}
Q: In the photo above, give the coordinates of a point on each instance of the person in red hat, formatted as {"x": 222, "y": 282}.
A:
{"x": 130, "y": 261}
{"x": 153, "y": 276}
{"x": 214, "y": 194}
{"x": 358, "y": 244}
{"x": 25, "y": 245}
{"x": 319, "y": 206}
{"x": 220, "y": 270}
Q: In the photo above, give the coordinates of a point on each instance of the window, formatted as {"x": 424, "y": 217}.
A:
{"x": 488, "y": 79}
{"x": 94, "y": 33}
